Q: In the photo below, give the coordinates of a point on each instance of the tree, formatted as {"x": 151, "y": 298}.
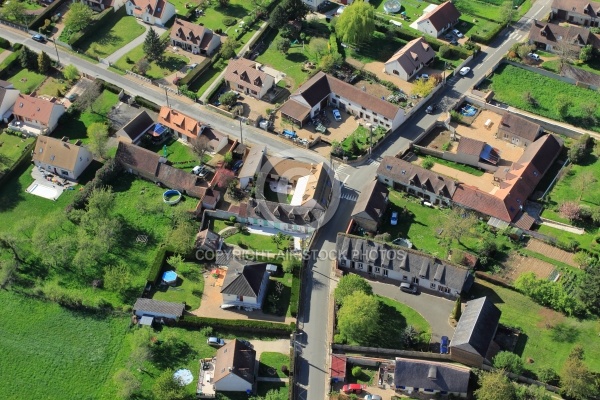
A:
{"x": 357, "y": 24}
{"x": 569, "y": 210}
{"x": 224, "y": 3}
{"x": 563, "y": 103}
{"x": 444, "y": 51}
{"x": 577, "y": 382}
{"x": 422, "y": 87}
{"x": 548, "y": 375}
{"x": 70, "y": 72}
{"x": 278, "y": 17}
{"x": 318, "y": 47}
{"x": 330, "y": 61}
{"x": 154, "y": 46}
{"x": 283, "y": 45}
{"x": 127, "y": 382}
{"x": 494, "y": 386}
{"x": 272, "y": 394}
{"x": 586, "y": 53}
{"x": 359, "y": 318}
{"x": 228, "y": 158}
{"x": 457, "y": 310}
{"x": 8, "y": 271}
{"x": 567, "y": 53}
{"x": 583, "y": 180}
{"x": 27, "y": 58}
{"x": 228, "y": 49}
{"x": 455, "y": 224}
{"x": 86, "y": 99}
{"x": 167, "y": 388}
{"x": 79, "y": 17}
{"x": 291, "y": 265}
{"x": 589, "y": 111}
{"x": 278, "y": 239}
{"x": 98, "y": 134}
{"x": 200, "y": 147}
{"x": 506, "y": 11}
{"x": 296, "y": 9}
{"x": 509, "y": 362}
{"x": 228, "y": 99}
{"x": 524, "y": 49}
{"x": 142, "y": 66}
{"x": 350, "y": 284}
{"x": 44, "y": 62}
{"x": 587, "y": 290}
{"x": 118, "y": 279}
{"x": 15, "y": 10}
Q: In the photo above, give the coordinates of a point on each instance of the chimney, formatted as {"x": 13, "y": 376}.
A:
{"x": 432, "y": 373}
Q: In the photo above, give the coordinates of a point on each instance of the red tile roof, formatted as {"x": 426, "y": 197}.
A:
{"x": 179, "y": 122}
{"x": 338, "y": 367}
{"x": 33, "y": 108}
{"x": 442, "y": 15}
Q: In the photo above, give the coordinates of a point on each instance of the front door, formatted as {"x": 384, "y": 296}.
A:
{"x": 370, "y": 269}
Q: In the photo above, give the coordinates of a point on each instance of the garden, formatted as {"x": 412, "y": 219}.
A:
{"x": 545, "y": 96}
{"x": 547, "y": 336}
{"x": 271, "y": 363}
{"x": 11, "y": 148}
{"x": 358, "y": 142}
{"x": 170, "y": 64}
{"x": 26, "y": 81}
{"x": 187, "y": 289}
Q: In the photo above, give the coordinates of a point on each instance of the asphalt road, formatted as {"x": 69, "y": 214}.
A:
{"x": 313, "y": 317}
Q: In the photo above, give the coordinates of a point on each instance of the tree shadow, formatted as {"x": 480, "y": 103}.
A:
{"x": 391, "y": 329}
{"x": 479, "y": 290}
{"x": 297, "y": 57}
{"x": 12, "y": 192}
{"x": 521, "y": 343}
{"x": 232, "y": 10}
{"x": 171, "y": 64}
{"x": 562, "y": 332}
{"x": 171, "y": 353}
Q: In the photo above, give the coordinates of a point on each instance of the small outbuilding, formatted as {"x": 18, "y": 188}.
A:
{"x": 158, "y": 309}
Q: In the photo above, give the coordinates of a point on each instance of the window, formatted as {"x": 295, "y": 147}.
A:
{"x": 506, "y": 136}
{"x": 360, "y": 266}
{"x": 385, "y": 119}
{"x": 377, "y": 270}
{"x": 374, "y": 113}
{"x": 432, "y": 285}
{"x": 396, "y": 72}
{"x": 343, "y": 263}
{"x": 385, "y": 272}
{"x": 63, "y": 172}
{"x": 404, "y": 277}
{"x": 416, "y": 280}
{"x": 337, "y": 96}
{"x": 364, "y": 108}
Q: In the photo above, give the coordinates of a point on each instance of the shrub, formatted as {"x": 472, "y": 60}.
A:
{"x": 295, "y": 297}
{"x": 246, "y": 325}
{"x": 228, "y": 21}
{"x": 509, "y": 362}
{"x": 147, "y": 103}
{"x": 4, "y": 44}
{"x": 357, "y": 371}
{"x": 570, "y": 210}
{"x": 455, "y": 116}
{"x": 427, "y": 163}
{"x": 104, "y": 176}
{"x": 548, "y": 375}
{"x": 285, "y": 369}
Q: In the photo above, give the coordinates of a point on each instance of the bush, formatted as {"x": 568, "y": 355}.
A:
{"x": 427, "y": 163}
{"x": 4, "y": 44}
{"x": 104, "y": 176}
{"x": 228, "y": 21}
{"x": 147, "y": 103}
{"x": 295, "y": 297}
{"x": 357, "y": 371}
{"x": 455, "y": 116}
{"x": 246, "y": 325}
{"x": 509, "y": 362}
{"x": 548, "y": 376}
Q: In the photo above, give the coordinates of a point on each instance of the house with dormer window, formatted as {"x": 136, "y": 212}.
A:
{"x": 410, "y": 59}
{"x": 153, "y": 12}
{"x": 438, "y": 20}
{"x": 580, "y": 12}
{"x": 246, "y": 76}
{"x": 416, "y": 180}
{"x": 187, "y": 128}
{"x": 553, "y": 37}
{"x": 35, "y": 116}
{"x": 194, "y": 38}
{"x": 384, "y": 260}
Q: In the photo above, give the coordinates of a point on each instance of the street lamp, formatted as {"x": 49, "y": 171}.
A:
{"x": 371, "y": 138}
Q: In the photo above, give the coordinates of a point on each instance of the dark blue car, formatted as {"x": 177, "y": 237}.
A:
{"x": 444, "y": 345}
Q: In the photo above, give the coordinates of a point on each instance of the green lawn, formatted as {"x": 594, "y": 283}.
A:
{"x": 170, "y": 64}
{"x": 458, "y": 166}
{"x": 365, "y": 378}
{"x": 411, "y": 317}
{"x": 112, "y": 35}
{"x": 189, "y": 287}
{"x": 181, "y": 155}
{"x": 280, "y": 304}
{"x": 511, "y": 84}
{"x": 362, "y": 136}
{"x": 290, "y": 63}
{"x": 26, "y": 81}
{"x": 538, "y": 341}
{"x": 54, "y": 86}
{"x": 379, "y": 48}
{"x": 254, "y": 241}
{"x": 261, "y": 392}
{"x": 52, "y": 353}
{"x": 213, "y": 15}
{"x": 75, "y": 126}
{"x": 12, "y": 147}
{"x": 217, "y": 225}
{"x": 270, "y": 364}
{"x": 201, "y": 84}
{"x": 277, "y": 197}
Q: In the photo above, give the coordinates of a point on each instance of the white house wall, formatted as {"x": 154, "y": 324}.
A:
{"x": 232, "y": 383}
{"x": 9, "y": 100}
{"x": 57, "y": 111}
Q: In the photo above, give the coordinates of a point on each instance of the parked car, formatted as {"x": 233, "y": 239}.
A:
{"x": 424, "y": 76}
{"x": 245, "y": 342}
{"x": 533, "y": 56}
{"x": 444, "y": 345}
{"x": 394, "y": 219}
{"x": 457, "y": 33}
{"x": 39, "y": 38}
{"x": 373, "y": 397}
{"x": 352, "y": 388}
{"x": 238, "y": 164}
{"x": 71, "y": 97}
{"x": 198, "y": 169}
{"x": 408, "y": 288}
{"x": 454, "y": 42}
{"x": 464, "y": 71}
{"x": 431, "y": 108}
{"x": 449, "y": 36}
{"x": 215, "y": 341}
{"x": 336, "y": 114}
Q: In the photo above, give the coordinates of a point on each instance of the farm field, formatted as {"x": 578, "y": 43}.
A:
{"x": 541, "y": 340}
{"x": 513, "y": 84}
{"x": 52, "y": 353}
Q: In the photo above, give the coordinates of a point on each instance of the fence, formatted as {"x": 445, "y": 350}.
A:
{"x": 523, "y": 379}
{"x": 14, "y": 25}
{"x": 390, "y": 352}
{"x": 128, "y": 72}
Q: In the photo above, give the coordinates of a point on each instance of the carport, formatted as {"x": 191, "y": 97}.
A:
{"x": 296, "y": 112}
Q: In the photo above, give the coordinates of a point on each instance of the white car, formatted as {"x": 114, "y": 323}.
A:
{"x": 464, "y": 71}
{"x": 424, "y": 77}
{"x": 533, "y": 56}
{"x": 457, "y": 33}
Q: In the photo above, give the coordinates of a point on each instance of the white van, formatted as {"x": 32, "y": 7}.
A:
{"x": 408, "y": 288}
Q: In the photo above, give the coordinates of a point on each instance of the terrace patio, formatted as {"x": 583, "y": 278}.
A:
{"x": 26, "y": 128}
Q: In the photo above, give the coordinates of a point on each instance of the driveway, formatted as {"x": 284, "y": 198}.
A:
{"x": 274, "y": 346}
{"x": 436, "y": 310}
{"x": 134, "y": 43}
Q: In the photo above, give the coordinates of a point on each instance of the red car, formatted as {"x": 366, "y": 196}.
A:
{"x": 352, "y": 388}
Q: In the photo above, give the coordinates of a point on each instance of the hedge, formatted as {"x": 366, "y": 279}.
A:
{"x": 489, "y": 37}
{"x": 78, "y": 37}
{"x": 46, "y": 13}
{"x": 217, "y": 87}
{"x": 4, "y": 44}
{"x": 109, "y": 86}
{"x": 196, "y": 71}
{"x": 248, "y": 325}
{"x": 8, "y": 63}
{"x": 157, "y": 263}
{"x": 295, "y": 295}
{"x": 104, "y": 176}
{"x": 147, "y": 103}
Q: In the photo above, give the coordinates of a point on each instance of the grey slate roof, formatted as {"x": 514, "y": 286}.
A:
{"x": 243, "y": 280}
{"x": 476, "y": 327}
{"x": 412, "y": 175}
{"x": 372, "y": 201}
{"x": 431, "y": 375}
{"x": 159, "y": 307}
{"x": 253, "y": 161}
{"x": 138, "y": 125}
{"x": 272, "y": 211}
{"x": 407, "y": 261}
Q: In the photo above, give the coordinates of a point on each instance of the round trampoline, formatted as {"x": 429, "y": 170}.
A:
{"x": 183, "y": 376}
{"x": 172, "y": 196}
{"x": 392, "y": 6}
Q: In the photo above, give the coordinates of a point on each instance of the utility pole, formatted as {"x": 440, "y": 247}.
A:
{"x": 241, "y": 132}
{"x": 167, "y": 94}
{"x": 57, "y": 57}
{"x": 371, "y": 139}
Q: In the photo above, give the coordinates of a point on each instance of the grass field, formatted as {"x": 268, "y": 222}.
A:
{"x": 379, "y": 48}
{"x": 282, "y": 305}
{"x": 54, "y": 86}
{"x": 539, "y": 341}
{"x": 189, "y": 287}
{"x": 362, "y": 136}
{"x": 511, "y": 84}
{"x": 171, "y": 63}
{"x": 411, "y": 316}
{"x": 26, "y": 81}
{"x": 214, "y": 15}
{"x": 113, "y": 34}
{"x": 254, "y": 241}
{"x": 272, "y": 362}
{"x": 11, "y": 148}
{"x": 179, "y": 154}
{"x": 290, "y": 63}
{"x": 52, "y": 353}
{"x": 75, "y": 126}
{"x": 201, "y": 84}
{"x": 458, "y": 166}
